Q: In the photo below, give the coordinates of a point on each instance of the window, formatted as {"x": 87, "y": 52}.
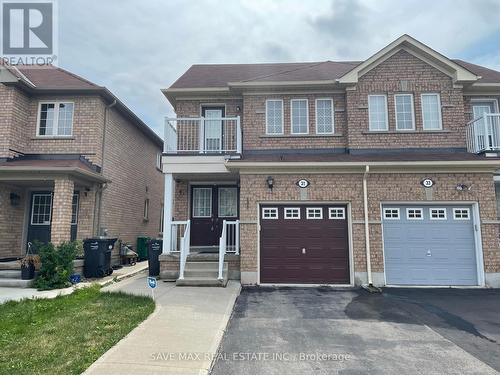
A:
{"x": 324, "y": 116}
{"x": 41, "y": 210}
{"x": 461, "y": 214}
{"x": 300, "y": 116}
{"x": 274, "y": 116}
{"x": 55, "y": 119}
{"x": 431, "y": 112}
{"x": 270, "y": 213}
{"x": 405, "y": 119}
{"x": 414, "y": 214}
{"x": 228, "y": 202}
{"x": 202, "y": 202}
{"x": 391, "y": 213}
{"x": 437, "y": 213}
{"x": 161, "y": 218}
{"x": 292, "y": 213}
{"x": 336, "y": 213}
{"x": 377, "y": 110}
{"x": 146, "y": 209}
{"x": 314, "y": 213}
{"x": 74, "y": 209}
{"x": 158, "y": 160}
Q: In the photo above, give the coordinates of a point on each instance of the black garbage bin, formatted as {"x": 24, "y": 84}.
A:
{"x": 97, "y": 261}
{"x": 154, "y": 251}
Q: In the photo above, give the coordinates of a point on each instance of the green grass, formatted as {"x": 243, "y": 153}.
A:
{"x": 66, "y": 334}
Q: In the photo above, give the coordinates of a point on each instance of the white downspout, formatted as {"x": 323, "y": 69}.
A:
{"x": 367, "y": 227}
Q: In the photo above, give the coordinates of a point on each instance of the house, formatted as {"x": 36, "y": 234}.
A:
{"x": 379, "y": 172}
{"x": 75, "y": 162}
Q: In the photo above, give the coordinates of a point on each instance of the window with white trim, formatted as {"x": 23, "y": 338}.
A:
{"x": 405, "y": 118}
{"x": 414, "y": 214}
{"x": 461, "y": 214}
{"x": 202, "y": 202}
{"x": 377, "y": 112}
{"x": 391, "y": 213}
{"x": 431, "y": 112}
{"x": 292, "y": 213}
{"x": 300, "y": 116}
{"x": 146, "y": 209}
{"x": 158, "y": 160}
{"x": 324, "y": 116}
{"x": 437, "y": 213}
{"x": 270, "y": 213}
{"x": 74, "y": 208}
{"x": 274, "y": 116}
{"x": 55, "y": 119}
{"x": 41, "y": 209}
{"x": 337, "y": 213}
{"x": 314, "y": 213}
{"x": 228, "y": 202}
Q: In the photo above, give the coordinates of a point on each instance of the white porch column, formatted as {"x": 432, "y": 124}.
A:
{"x": 168, "y": 201}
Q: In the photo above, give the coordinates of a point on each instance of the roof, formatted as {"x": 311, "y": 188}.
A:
{"x": 487, "y": 75}
{"x": 52, "y": 79}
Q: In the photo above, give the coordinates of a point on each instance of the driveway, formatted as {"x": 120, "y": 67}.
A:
{"x": 328, "y": 331}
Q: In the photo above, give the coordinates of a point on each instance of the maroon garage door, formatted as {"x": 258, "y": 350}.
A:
{"x": 304, "y": 244}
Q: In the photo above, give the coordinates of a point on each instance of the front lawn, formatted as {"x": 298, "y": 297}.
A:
{"x": 66, "y": 334}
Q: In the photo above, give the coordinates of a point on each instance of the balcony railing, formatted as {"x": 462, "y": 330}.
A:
{"x": 483, "y": 133}
{"x": 203, "y": 135}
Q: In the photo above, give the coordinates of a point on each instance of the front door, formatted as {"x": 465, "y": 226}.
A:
{"x": 40, "y": 217}
{"x": 213, "y": 128}
{"x": 210, "y": 206}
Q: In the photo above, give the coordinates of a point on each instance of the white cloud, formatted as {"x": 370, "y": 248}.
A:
{"x": 135, "y": 48}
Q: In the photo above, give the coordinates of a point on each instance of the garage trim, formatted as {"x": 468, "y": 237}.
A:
{"x": 477, "y": 238}
{"x": 305, "y": 203}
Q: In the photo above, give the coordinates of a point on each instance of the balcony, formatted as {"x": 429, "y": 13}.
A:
{"x": 483, "y": 134}
{"x": 203, "y": 136}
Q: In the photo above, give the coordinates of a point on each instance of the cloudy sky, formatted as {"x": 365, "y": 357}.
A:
{"x": 137, "y": 47}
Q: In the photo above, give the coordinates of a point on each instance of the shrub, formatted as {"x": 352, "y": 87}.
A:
{"x": 79, "y": 249}
{"x": 57, "y": 265}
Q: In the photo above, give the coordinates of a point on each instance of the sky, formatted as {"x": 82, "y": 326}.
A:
{"x": 137, "y": 47}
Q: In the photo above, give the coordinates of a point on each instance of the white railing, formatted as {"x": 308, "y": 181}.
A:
{"x": 483, "y": 133}
{"x": 203, "y": 135}
{"x": 229, "y": 242}
{"x": 181, "y": 242}
{"x": 222, "y": 250}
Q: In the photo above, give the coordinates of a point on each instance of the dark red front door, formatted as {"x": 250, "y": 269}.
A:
{"x": 306, "y": 244}
{"x": 210, "y": 206}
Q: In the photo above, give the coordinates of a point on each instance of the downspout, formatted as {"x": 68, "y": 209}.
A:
{"x": 367, "y": 228}
{"x": 98, "y": 203}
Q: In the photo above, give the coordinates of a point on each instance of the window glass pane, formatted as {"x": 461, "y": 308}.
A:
{"x": 41, "y": 209}
{"x": 404, "y": 112}
{"x": 274, "y": 116}
{"x": 431, "y": 111}
{"x": 228, "y": 202}
{"x": 46, "y": 126}
{"x": 299, "y": 116}
{"x": 65, "y": 119}
{"x": 74, "y": 209}
{"x": 202, "y": 202}
{"x": 324, "y": 116}
{"x": 378, "y": 112}
{"x": 270, "y": 213}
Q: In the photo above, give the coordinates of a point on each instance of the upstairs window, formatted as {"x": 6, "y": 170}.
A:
{"x": 431, "y": 112}
{"x": 405, "y": 119}
{"x": 274, "y": 116}
{"x": 300, "y": 116}
{"x": 324, "y": 116}
{"x": 55, "y": 119}
{"x": 377, "y": 110}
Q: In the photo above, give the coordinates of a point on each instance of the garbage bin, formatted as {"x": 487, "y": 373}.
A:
{"x": 154, "y": 251}
{"x": 97, "y": 260}
{"x": 142, "y": 247}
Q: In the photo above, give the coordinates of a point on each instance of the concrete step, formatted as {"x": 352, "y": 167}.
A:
{"x": 202, "y": 281}
{"x": 10, "y": 274}
{"x": 15, "y": 283}
{"x": 14, "y": 265}
{"x": 201, "y": 273}
{"x": 193, "y": 265}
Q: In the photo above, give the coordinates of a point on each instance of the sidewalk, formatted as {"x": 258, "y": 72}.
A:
{"x": 16, "y": 294}
{"x": 180, "y": 337}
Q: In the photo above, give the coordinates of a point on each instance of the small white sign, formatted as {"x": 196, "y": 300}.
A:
{"x": 427, "y": 183}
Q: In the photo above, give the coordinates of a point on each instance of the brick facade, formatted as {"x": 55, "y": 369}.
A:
{"x": 12, "y": 219}
{"x": 61, "y": 211}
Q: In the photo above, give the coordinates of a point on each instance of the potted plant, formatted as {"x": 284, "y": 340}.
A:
{"x": 28, "y": 264}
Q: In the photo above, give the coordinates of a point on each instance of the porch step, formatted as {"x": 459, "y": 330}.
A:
{"x": 202, "y": 281}
{"x": 203, "y": 274}
{"x": 202, "y": 265}
{"x": 15, "y": 283}
{"x": 13, "y": 265}
{"x": 10, "y": 274}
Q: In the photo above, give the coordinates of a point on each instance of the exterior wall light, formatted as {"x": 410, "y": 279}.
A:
{"x": 270, "y": 182}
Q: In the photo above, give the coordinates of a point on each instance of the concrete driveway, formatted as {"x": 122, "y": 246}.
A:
{"x": 327, "y": 331}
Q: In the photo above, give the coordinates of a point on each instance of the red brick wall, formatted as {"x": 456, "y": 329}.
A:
{"x": 11, "y": 221}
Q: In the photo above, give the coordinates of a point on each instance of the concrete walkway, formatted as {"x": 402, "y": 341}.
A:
{"x": 182, "y": 335}
{"x": 17, "y": 294}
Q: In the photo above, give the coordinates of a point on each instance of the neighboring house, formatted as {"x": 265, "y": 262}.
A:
{"x": 75, "y": 162}
{"x": 373, "y": 172}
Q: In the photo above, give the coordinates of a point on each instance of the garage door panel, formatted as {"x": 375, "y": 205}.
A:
{"x": 429, "y": 252}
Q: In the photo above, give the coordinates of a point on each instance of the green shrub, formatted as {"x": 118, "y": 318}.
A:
{"x": 79, "y": 248}
{"x": 57, "y": 265}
